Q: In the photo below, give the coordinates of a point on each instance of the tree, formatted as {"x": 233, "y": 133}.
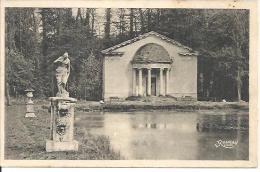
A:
{"x": 93, "y": 13}
{"x": 158, "y": 15}
{"x": 149, "y": 20}
{"x": 23, "y": 41}
{"x": 87, "y": 19}
{"x": 79, "y": 17}
{"x": 107, "y": 23}
{"x": 131, "y": 27}
{"x": 18, "y": 70}
{"x": 121, "y": 24}
{"x": 141, "y": 20}
{"x": 90, "y": 87}
{"x": 233, "y": 37}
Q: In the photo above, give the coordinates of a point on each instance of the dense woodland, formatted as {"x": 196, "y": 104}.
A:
{"x": 36, "y": 37}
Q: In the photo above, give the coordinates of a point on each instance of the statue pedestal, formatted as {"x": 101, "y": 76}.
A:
{"x": 62, "y": 125}
{"x": 29, "y": 105}
{"x": 52, "y": 146}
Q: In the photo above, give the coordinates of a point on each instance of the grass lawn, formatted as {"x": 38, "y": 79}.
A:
{"x": 25, "y": 138}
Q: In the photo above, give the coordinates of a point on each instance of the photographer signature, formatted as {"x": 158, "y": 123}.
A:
{"x": 229, "y": 144}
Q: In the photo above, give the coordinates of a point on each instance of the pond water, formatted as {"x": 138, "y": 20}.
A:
{"x": 162, "y": 135}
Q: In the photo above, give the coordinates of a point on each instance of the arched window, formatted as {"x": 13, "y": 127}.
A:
{"x": 152, "y": 53}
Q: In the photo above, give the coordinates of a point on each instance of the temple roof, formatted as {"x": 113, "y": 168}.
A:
{"x": 109, "y": 50}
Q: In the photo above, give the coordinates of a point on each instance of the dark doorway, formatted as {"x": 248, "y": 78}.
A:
{"x": 153, "y": 86}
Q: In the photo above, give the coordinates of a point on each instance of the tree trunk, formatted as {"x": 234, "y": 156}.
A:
{"x": 211, "y": 83}
{"x": 239, "y": 70}
{"x": 20, "y": 33}
{"x": 35, "y": 26}
{"x": 8, "y": 101}
{"x": 107, "y": 25}
{"x": 239, "y": 85}
{"x": 68, "y": 17}
{"x": 207, "y": 85}
{"x": 87, "y": 19}
{"x": 10, "y": 30}
{"x": 79, "y": 16}
{"x": 121, "y": 23}
{"x": 93, "y": 21}
{"x": 149, "y": 20}
{"x": 158, "y": 18}
{"x": 131, "y": 32}
{"x": 135, "y": 26}
{"x": 201, "y": 82}
{"x": 44, "y": 32}
{"x": 141, "y": 20}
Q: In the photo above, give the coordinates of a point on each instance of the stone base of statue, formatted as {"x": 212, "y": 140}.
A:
{"x": 52, "y": 146}
{"x": 62, "y": 125}
{"x": 29, "y": 110}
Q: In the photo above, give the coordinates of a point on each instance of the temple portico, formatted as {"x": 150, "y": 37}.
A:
{"x": 150, "y": 80}
{"x": 151, "y": 65}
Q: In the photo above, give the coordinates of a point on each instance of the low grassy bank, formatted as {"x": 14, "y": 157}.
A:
{"x": 158, "y": 103}
{"x": 174, "y": 105}
{"x": 25, "y": 138}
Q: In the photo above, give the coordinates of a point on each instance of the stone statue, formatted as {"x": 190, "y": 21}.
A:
{"x": 62, "y": 111}
{"x": 62, "y": 74}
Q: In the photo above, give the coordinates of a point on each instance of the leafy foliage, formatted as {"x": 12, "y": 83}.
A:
{"x": 18, "y": 70}
{"x": 36, "y": 37}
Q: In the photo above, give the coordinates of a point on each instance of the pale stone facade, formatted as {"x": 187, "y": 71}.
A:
{"x": 149, "y": 65}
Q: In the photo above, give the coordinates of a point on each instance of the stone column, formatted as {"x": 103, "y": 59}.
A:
{"x": 149, "y": 82}
{"x": 134, "y": 82}
{"x": 140, "y": 79}
{"x": 167, "y": 81}
{"x": 161, "y": 82}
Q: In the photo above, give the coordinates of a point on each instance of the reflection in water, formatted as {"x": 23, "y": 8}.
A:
{"x": 150, "y": 125}
{"x": 170, "y": 134}
{"x": 221, "y": 122}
